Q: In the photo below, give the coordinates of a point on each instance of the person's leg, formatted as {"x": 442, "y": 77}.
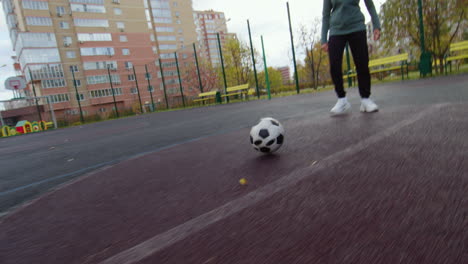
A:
{"x": 336, "y": 45}
{"x": 358, "y": 44}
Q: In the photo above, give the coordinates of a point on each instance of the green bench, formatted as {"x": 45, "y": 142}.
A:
{"x": 237, "y": 90}
{"x": 375, "y": 66}
{"x": 207, "y": 96}
{"x": 456, "y": 47}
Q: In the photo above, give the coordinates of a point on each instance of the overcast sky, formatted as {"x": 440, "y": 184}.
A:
{"x": 267, "y": 17}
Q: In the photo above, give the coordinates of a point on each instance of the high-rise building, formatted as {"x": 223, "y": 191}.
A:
{"x": 285, "y": 74}
{"x": 99, "y": 43}
{"x": 208, "y": 24}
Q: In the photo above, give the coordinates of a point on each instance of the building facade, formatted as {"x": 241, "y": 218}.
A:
{"x": 208, "y": 24}
{"x": 285, "y": 74}
{"x": 88, "y": 52}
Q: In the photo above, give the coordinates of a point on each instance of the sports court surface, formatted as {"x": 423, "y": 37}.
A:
{"x": 389, "y": 187}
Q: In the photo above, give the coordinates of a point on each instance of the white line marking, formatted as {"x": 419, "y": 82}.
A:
{"x": 178, "y": 233}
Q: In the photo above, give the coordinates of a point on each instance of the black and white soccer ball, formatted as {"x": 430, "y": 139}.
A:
{"x": 267, "y": 136}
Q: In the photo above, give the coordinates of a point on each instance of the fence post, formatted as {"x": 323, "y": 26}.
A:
{"x": 163, "y": 82}
{"x": 180, "y": 81}
{"x": 113, "y": 93}
{"x": 293, "y": 51}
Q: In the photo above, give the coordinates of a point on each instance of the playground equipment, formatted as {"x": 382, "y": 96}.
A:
{"x": 24, "y": 127}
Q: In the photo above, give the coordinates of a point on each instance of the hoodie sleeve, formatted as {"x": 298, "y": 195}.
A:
{"x": 374, "y": 16}
{"x": 325, "y": 20}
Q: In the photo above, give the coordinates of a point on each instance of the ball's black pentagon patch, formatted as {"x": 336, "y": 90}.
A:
{"x": 264, "y": 133}
{"x": 270, "y": 142}
{"x": 265, "y": 150}
{"x": 280, "y": 139}
{"x": 274, "y": 122}
{"x": 251, "y": 140}
{"x": 257, "y": 142}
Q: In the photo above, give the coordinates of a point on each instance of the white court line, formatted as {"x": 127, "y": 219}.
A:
{"x": 178, "y": 233}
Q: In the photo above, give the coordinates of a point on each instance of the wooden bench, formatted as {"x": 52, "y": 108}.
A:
{"x": 456, "y": 47}
{"x": 237, "y": 90}
{"x": 402, "y": 58}
{"x": 206, "y": 96}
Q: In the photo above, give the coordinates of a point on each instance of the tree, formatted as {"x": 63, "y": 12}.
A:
{"x": 238, "y": 62}
{"x": 314, "y": 55}
{"x": 189, "y": 74}
{"x": 444, "y": 21}
{"x": 276, "y": 80}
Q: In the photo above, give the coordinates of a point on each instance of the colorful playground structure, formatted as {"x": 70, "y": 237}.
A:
{"x": 25, "y": 127}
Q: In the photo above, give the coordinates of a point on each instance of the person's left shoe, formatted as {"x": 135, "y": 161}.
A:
{"x": 368, "y": 106}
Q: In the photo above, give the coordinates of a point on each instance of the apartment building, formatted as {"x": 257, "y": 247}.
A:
{"x": 285, "y": 74}
{"x": 208, "y": 24}
{"x": 88, "y": 50}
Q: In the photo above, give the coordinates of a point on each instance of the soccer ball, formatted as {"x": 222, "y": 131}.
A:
{"x": 267, "y": 136}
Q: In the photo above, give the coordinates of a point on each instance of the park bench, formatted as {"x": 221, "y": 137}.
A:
{"x": 456, "y": 47}
{"x": 237, "y": 90}
{"x": 207, "y": 96}
{"x": 376, "y": 66}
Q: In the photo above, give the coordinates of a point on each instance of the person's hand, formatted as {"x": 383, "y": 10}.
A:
{"x": 325, "y": 47}
{"x": 376, "y": 34}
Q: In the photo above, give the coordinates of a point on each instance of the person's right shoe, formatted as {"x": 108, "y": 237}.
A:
{"x": 341, "y": 107}
{"x": 368, "y": 106}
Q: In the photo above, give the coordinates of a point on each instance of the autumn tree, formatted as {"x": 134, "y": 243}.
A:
{"x": 314, "y": 56}
{"x": 238, "y": 62}
{"x": 444, "y": 22}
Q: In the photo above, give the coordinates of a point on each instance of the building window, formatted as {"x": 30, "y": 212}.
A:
{"x": 120, "y": 25}
{"x": 164, "y": 29}
{"x": 59, "y": 98}
{"x": 74, "y": 68}
{"x": 64, "y": 25}
{"x": 150, "y": 88}
{"x": 67, "y": 41}
{"x": 128, "y": 65}
{"x": 125, "y": 52}
{"x": 117, "y": 11}
{"x": 131, "y": 77}
{"x": 99, "y": 51}
{"x": 52, "y": 83}
{"x": 177, "y": 14}
{"x": 81, "y": 22}
{"x": 36, "y": 5}
{"x": 71, "y": 54}
{"x": 174, "y": 4}
{"x": 88, "y": 8}
{"x": 166, "y": 38}
{"x": 123, "y": 38}
{"x": 38, "y": 21}
{"x": 105, "y": 93}
{"x": 94, "y": 37}
{"x": 152, "y": 37}
{"x": 133, "y": 90}
{"x": 78, "y": 83}
{"x": 97, "y": 79}
{"x": 99, "y": 65}
{"x": 148, "y": 76}
{"x": 60, "y": 10}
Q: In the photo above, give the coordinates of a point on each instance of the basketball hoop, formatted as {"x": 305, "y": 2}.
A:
{"x": 15, "y": 83}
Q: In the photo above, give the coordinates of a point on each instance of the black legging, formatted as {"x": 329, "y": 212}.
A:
{"x": 358, "y": 43}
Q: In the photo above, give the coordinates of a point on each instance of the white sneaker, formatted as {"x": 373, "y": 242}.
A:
{"x": 341, "y": 107}
{"x": 368, "y": 106}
